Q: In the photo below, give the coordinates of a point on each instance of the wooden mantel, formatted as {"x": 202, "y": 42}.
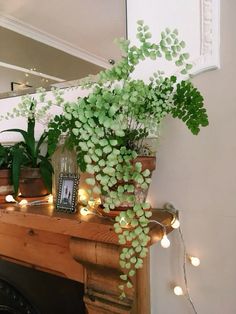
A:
{"x": 84, "y": 249}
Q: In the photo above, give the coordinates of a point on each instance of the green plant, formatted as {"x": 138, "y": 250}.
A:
{"x": 107, "y": 129}
{"x": 28, "y": 153}
{"x": 5, "y": 157}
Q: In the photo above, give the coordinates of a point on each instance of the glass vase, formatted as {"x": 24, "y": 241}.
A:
{"x": 63, "y": 161}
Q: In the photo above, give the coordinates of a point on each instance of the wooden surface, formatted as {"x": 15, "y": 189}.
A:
{"x": 89, "y": 227}
{"x": 82, "y": 248}
{"x": 39, "y": 249}
{"x": 142, "y": 288}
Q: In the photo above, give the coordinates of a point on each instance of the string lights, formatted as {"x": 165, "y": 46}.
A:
{"x": 83, "y": 196}
{"x": 89, "y": 204}
{"x": 185, "y": 272}
{"x": 165, "y": 243}
{"x": 24, "y": 202}
{"x": 84, "y": 211}
{"x": 175, "y": 223}
{"x": 195, "y": 261}
{"x": 178, "y": 291}
{"x": 10, "y": 199}
{"x": 88, "y": 209}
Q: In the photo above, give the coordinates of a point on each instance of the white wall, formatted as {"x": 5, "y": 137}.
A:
{"x": 198, "y": 175}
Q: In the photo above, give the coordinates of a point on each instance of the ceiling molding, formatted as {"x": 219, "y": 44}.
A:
{"x": 210, "y": 37}
{"x": 36, "y": 73}
{"x": 207, "y": 42}
{"x": 28, "y": 30}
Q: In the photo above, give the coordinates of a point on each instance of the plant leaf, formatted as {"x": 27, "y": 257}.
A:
{"x": 46, "y": 171}
{"x": 18, "y": 158}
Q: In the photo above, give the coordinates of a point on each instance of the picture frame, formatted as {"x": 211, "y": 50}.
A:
{"x": 15, "y": 86}
{"x": 67, "y": 193}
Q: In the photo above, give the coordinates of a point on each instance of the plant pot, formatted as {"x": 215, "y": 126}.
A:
{"x": 31, "y": 183}
{"x": 6, "y": 187}
{"x": 148, "y": 162}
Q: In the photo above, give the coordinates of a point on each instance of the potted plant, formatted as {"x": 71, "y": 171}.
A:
{"x": 5, "y": 171}
{"x": 31, "y": 170}
{"x": 107, "y": 128}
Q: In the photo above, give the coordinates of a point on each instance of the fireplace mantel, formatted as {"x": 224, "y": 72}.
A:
{"x": 84, "y": 249}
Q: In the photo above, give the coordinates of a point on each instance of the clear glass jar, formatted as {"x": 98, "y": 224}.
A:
{"x": 63, "y": 161}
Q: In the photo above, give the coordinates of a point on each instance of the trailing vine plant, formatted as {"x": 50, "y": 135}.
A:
{"x": 107, "y": 128}
{"x": 40, "y": 111}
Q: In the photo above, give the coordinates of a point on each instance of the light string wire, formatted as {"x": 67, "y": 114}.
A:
{"x": 159, "y": 223}
{"x": 187, "y": 295}
{"x": 24, "y": 202}
{"x": 96, "y": 213}
{"x": 185, "y": 272}
{"x": 164, "y": 227}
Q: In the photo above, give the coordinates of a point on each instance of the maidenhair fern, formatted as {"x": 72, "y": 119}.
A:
{"x": 108, "y": 126}
{"x": 188, "y": 106}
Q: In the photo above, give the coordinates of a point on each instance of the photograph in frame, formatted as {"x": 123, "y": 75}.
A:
{"x": 67, "y": 193}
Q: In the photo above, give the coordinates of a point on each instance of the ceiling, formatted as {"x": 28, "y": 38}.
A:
{"x": 29, "y": 62}
{"x": 83, "y": 28}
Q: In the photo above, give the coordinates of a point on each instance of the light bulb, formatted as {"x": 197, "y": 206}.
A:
{"x": 83, "y": 196}
{"x": 195, "y": 261}
{"x": 92, "y": 203}
{"x": 175, "y": 224}
{"x": 9, "y": 198}
{"x": 122, "y": 219}
{"x": 165, "y": 242}
{"x": 123, "y": 222}
{"x": 98, "y": 201}
{"x": 50, "y": 199}
{"x": 23, "y": 202}
{"x": 84, "y": 211}
{"x": 178, "y": 290}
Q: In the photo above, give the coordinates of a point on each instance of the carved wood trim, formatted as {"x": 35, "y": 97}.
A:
{"x": 84, "y": 249}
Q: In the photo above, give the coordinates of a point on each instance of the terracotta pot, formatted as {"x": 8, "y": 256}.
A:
{"x": 148, "y": 162}
{"x": 6, "y": 187}
{"x": 31, "y": 183}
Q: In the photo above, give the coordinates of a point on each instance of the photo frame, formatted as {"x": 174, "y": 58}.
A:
{"x": 67, "y": 193}
{"x": 15, "y": 86}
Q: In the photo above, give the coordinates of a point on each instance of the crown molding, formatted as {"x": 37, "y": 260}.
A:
{"x": 208, "y": 27}
{"x": 36, "y": 73}
{"x": 209, "y": 58}
{"x": 28, "y": 30}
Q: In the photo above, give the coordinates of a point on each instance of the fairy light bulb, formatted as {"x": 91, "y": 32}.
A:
{"x": 195, "y": 261}
{"x": 23, "y": 202}
{"x": 9, "y": 199}
{"x": 98, "y": 201}
{"x": 84, "y": 211}
{"x": 123, "y": 222}
{"x": 175, "y": 222}
{"x": 83, "y": 196}
{"x": 92, "y": 203}
{"x": 165, "y": 242}
{"x": 50, "y": 199}
{"x": 178, "y": 290}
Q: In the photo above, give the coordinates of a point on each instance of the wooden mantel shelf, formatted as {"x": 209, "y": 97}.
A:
{"x": 81, "y": 248}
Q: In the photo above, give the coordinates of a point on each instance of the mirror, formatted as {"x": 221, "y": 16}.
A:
{"x": 56, "y": 41}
